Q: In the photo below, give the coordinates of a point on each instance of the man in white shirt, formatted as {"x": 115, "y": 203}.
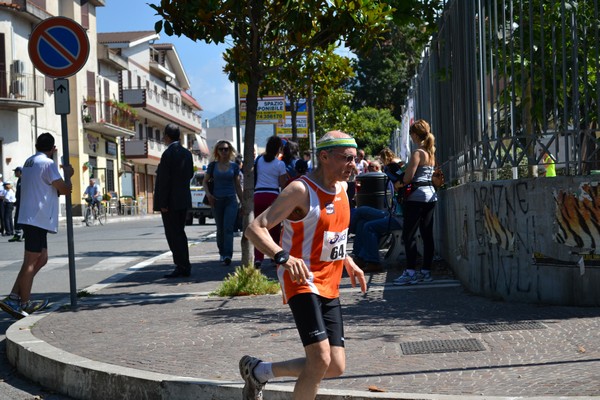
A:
{"x": 10, "y": 199}
{"x": 41, "y": 184}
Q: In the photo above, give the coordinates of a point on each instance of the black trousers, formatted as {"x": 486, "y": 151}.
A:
{"x": 418, "y": 215}
{"x": 8, "y": 218}
{"x": 174, "y": 223}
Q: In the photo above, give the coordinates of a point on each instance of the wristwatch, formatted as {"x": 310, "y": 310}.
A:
{"x": 281, "y": 257}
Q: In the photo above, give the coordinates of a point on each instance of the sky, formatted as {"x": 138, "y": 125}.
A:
{"x": 203, "y": 63}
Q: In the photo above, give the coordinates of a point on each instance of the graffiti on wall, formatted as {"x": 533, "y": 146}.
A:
{"x": 504, "y": 226}
{"x": 578, "y": 217}
{"x": 498, "y": 233}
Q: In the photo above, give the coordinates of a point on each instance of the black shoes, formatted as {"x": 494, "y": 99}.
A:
{"x": 179, "y": 272}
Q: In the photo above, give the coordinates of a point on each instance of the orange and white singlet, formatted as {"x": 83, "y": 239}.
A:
{"x": 320, "y": 239}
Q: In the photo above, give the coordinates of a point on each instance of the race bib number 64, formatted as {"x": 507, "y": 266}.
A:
{"x": 334, "y": 245}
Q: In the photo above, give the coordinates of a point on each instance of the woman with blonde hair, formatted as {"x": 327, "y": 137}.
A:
{"x": 225, "y": 175}
{"x": 419, "y": 205}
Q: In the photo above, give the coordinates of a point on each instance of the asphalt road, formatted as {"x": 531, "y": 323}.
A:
{"x": 101, "y": 252}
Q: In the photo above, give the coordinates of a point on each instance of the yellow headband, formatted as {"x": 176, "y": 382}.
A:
{"x": 336, "y": 142}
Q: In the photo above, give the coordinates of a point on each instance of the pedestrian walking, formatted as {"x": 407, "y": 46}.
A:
{"x": 270, "y": 176}
{"x": 223, "y": 196}
{"x": 310, "y": 258}
{"x": 38, "y": 214}
{"x": 172, "y": 197}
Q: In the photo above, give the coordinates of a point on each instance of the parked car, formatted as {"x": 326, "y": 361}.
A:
{"x": 199, "y": 209}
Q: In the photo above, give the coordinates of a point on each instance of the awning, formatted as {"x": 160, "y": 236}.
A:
{"x": 200, "y": 146}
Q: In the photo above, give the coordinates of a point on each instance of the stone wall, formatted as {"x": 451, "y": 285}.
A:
{"x": 527, "y": 240}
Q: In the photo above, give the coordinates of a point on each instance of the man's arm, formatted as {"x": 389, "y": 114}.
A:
{"x": 61, "y": 186}
{"x": 294, "y": 199}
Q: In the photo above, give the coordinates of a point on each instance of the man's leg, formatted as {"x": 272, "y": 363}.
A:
{"x": 32, "y": 263}
{"x": 371, "y": 234}
{"x": 174, "y": 223}
{"x": 35, "y": 257}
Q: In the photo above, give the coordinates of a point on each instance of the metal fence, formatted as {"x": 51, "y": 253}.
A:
{"x": 504, "y": 81}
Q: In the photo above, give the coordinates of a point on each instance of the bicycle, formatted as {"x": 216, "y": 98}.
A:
{"x": 94, "y": 212}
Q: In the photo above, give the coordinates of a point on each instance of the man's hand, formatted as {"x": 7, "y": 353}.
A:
{"x": 68, "y": 171}
{"x": 297, "y": 269}
{"x": 354, "y": 272}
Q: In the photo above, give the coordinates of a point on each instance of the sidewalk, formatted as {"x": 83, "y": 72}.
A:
{"x": 146, "y": 337}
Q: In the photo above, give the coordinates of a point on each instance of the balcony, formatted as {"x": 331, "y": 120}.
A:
{"x": 148, "y": 151}
{"x": 109, "y": 118}
{"x": 167, "y": 106}
{"x": 19, "y": 90}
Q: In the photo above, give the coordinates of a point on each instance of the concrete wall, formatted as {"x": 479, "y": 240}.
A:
{"x": 527, "y": 240}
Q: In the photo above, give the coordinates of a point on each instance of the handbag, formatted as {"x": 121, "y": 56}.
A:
{"x": 210, "y": 184}
{"x": 437, "y": 179}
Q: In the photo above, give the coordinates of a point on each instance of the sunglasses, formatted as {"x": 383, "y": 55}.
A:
{"x": 348, "y": 158}
{"x": 223, "y": 148}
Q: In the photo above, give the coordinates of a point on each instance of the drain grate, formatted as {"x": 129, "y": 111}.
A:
{"x": 441, "y": 346}
{"x": 504, "y": 326}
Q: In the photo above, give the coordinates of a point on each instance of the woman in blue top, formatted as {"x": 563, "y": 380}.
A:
{"x": 419, "y": 205}
{"x": 225, "y": 174}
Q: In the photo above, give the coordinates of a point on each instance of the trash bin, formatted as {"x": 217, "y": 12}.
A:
{"x": 371, "y": 190}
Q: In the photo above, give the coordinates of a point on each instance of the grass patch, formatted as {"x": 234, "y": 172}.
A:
{"x": 83, "y": 293}
{"x": 246, "y": 281}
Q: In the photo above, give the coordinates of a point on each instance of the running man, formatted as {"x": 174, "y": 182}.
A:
{"x": 310, "y": 258}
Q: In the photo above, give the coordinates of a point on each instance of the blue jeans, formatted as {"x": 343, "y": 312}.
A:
{"x": 225, "y": 213}
{"x": 369, "y": 225}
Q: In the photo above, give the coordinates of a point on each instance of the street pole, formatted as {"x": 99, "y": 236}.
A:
{"x": 238, "y": 132}
{"x": 312, "y": 140}
{"x": 62, "y": 107}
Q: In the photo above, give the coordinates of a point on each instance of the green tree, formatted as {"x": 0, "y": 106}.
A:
{"x": 323, "y": 70}
{"x": 384, "y": 72}
{"x": 264, "y": 34}
{"x": 372, "y": 128}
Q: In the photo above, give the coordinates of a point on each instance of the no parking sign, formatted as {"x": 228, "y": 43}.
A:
{"x": 58, "y": 47}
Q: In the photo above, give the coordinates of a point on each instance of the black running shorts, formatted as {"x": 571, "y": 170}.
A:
{"x": 318, "y": 319}
{"x": 35, "y": 238}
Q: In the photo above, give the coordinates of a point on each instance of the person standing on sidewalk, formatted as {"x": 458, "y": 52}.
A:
{"x": 311, "y": 257}
{"x": 38, "y": 215}
{"x": 10, "y": 198}
{"x": 418, "y": 207}
{"x": 18, "y": 230}
{"x": 223, "y": 199}
{"x": 172, "y": 197}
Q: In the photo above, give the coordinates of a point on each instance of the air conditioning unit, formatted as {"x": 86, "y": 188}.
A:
{"x": 17, "y": 87}
{"x": 18, "y": 67}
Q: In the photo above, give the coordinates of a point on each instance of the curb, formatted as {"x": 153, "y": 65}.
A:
{"x": 85, "y": 379}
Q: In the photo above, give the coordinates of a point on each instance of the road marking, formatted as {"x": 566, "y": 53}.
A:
{"x": 9, "y": 262}
{"x": 56, "y": 263}
{"x": 111, "y": 263}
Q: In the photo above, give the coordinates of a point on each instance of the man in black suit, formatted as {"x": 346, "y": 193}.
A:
{"x": 172, "y": 198}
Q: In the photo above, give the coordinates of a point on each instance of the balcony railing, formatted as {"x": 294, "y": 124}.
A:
{"x": 19, "y": 90}
{"x": 109, "y": 114}
{"x": 176, "y": 109}
{"x": 148, "y": 150}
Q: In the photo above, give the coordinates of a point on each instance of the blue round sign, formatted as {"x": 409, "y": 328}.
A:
{"x": 58, "y": 47}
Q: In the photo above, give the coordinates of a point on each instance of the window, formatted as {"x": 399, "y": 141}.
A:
{"x": 149, "y": 132}
{"x": 110, "y": 176}
{"x": 93, "y": 163}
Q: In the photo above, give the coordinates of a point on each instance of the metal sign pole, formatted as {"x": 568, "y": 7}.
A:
{"x": 62, "y": 107}
{"x": 70, "y": 244}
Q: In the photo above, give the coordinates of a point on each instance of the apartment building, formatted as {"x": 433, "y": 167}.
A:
{"x": 120, "y": 101}
{"x": 155, "y": 87}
